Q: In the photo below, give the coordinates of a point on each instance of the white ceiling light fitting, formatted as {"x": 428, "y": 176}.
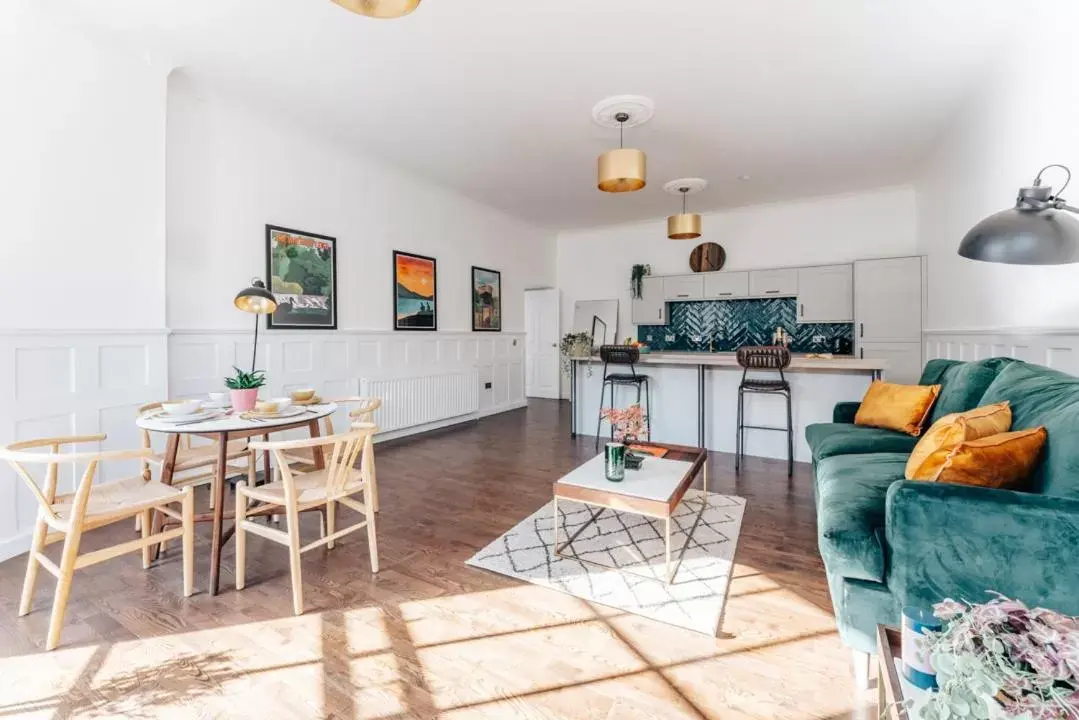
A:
{"x": 624, "y": 169}
{"x": 686, "y": 226}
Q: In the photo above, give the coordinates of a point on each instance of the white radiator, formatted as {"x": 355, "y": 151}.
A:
{"x": 411, "y": 401}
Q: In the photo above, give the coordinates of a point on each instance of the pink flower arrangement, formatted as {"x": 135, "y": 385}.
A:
{"x": 1002, "y": 657}
{"x": 626, "y": 424}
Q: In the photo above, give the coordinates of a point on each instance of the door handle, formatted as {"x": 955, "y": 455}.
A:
{"x": 554, "y": 344}
{"x": 802, "y": 310}
{"x": 683, "y": 295}
{"x": 725, "y": 294}
{"x": 861, "y": 329}
{"x": 659, "y": 314}
{"x": 861, "y": 353}
{"x": 771, "y": 292}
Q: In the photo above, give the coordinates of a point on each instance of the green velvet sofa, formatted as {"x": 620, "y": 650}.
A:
{"x": 888, "y": 542}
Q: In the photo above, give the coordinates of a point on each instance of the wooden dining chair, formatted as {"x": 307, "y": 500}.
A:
{"x": 189, "y": 458}
{"x": 338, "y": 482}
{"x": 67, "y": 516}
{"x": 360, "y": 410}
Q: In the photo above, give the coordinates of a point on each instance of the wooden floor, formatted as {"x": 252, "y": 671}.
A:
{"x": 429, "y": 637}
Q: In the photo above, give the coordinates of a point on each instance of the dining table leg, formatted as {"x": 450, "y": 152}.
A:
{"x": 172, "y": 446}
{"x": 319, "y": 456}
{"x": 219, "y": 511}
{"x": 267, "y": 476}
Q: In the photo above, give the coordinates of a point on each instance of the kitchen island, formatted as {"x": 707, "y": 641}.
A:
{"x": 694, "y": 398}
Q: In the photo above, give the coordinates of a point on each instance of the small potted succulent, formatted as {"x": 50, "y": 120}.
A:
{"x": 244, "y": 388}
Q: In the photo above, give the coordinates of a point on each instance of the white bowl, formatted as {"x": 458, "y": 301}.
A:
{"x": 219, "y": 398}
{"x": 283, "y": 403}
{"x": 181, "y": 407}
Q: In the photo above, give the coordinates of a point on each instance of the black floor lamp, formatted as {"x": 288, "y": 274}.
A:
{"x": 260, "y": 301}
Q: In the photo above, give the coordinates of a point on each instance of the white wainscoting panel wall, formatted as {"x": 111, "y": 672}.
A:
{"x": 72, "y": 383}
{"x": 1055, "y": 348}
{"x": 335, "y": 362}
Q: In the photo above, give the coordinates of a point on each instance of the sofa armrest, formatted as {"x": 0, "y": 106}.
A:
{"x": 959, "y": 541}
{"x": 844, "y": 412}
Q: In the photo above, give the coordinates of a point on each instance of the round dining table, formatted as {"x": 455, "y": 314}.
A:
{"x": 222, "y": 427}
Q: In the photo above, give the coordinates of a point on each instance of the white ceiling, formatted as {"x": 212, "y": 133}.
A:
{"x": 493, "y": 97}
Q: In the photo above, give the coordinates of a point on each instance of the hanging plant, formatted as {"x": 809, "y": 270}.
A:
{"x": 636, "y": 280}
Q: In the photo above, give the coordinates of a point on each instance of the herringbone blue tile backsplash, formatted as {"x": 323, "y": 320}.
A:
{"x": 730, "y": 324}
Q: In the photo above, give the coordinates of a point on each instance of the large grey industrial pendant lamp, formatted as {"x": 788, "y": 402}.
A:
{"x": 1037, "y": 231}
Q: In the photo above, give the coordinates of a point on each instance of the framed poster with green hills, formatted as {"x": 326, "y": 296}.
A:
{"x": 301, "y": 271}
{"x": 414, "y": 292}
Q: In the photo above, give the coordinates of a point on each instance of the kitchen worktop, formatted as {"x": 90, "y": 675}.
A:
{"x": 729, "y": 359}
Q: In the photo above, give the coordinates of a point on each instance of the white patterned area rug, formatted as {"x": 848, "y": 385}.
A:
{"x": 625, "y": 554}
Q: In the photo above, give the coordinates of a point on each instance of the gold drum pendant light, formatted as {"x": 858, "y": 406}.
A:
{"x": 686, "y": 226}
{"x": 382, "y": 9}
{"x": 624, "y": 169}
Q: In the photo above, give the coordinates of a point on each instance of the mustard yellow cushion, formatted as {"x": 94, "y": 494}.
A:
{"x": 897, "y": 407}
{"x": 942, "y": 437}
{"x": 998, "y": 461}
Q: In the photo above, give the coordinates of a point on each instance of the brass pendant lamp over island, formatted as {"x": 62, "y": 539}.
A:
{"x": 624, "y": 169}
{"x": 686, "y": 226}
{"x": 382, "y": 9}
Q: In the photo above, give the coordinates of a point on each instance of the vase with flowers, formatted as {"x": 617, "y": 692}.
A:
{"x": 1003, "y": 659}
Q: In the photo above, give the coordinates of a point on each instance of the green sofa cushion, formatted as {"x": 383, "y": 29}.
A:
{"x": 831, "y": 439}
{"x": 963, "y": 384}
{"x": 1042, "y": 396}
{"x": 851, "y": 493}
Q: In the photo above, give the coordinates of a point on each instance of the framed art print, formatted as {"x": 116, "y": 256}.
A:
{"x": 486, "y": 300}
{"x": 414, "y": 292}
{"x": 301, "y": 272}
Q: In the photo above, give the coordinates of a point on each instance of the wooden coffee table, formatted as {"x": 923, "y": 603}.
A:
{"x": 654, "y": 491}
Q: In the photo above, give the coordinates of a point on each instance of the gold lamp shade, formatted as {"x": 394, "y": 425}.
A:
{"x": 686, "y": 226}
{"x": 622, "y": 170}
{"x": 383, "y": 9}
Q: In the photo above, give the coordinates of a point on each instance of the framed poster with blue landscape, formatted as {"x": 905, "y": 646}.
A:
{"x": 486, "y": 300}
{"x": 414, "y": 292}
{"x": 301, "y": 271}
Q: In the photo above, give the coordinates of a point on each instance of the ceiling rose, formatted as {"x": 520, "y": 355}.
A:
{"x": 383, "y": 9}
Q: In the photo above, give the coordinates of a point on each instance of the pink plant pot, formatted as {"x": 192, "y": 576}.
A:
{"x": 244, "y": 400}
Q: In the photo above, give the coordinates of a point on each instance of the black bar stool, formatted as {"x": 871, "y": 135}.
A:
{"x": 771, "y": 357}
{"x": 623, "y": 355}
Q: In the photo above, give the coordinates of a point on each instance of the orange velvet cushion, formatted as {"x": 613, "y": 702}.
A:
{"x": 897, "y": 407}
{"x": 998, "y": 461}
{"x": 942, "y": 437}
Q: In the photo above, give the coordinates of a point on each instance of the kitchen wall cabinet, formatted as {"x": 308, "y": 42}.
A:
{"x": 777, "y": 283}
{"x": 826, "y": 294}
{"x": 888, "y": 300}
{"x": 651, "y": 307}
{"x": 726, "y": 285}
{"x": 683, "y": 287}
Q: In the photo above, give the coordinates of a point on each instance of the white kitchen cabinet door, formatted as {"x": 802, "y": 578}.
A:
{"x": 650, "y": 308}
{"x": 826, "y": 294}
{"x": 726, "y": 285}
{"x": 683, "y": 287}
{"x": 904, "y": 360}
{"x": 888, "y": 300}
{"x": 765, "y": 283}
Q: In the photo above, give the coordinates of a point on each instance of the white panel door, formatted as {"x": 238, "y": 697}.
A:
{"x": 726, "y": 285}
{"x": 650, "y": 308}
{"x": 888, "y": 300}
{"x": 826, "y": 294}
{"x": 904, "y": 360}
{"x": 541, "y": 344}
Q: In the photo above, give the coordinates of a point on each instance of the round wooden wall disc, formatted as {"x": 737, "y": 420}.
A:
{"x": 707, "y": 257}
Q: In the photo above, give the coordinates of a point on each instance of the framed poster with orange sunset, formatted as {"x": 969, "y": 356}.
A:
{"x": 414, "y": 292}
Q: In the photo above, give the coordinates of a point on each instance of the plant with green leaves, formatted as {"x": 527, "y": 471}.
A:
{"x": 575, "y": 345}
{"x": 636, "y": 280}
{"x": 245, "y": 380}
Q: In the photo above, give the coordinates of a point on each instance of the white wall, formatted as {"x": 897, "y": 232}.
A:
{"x": 82, "y": 142}
{"x": 232, "y": 169}
{"x": 1023, "y": 117}
{"x": 595, "y": 264}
